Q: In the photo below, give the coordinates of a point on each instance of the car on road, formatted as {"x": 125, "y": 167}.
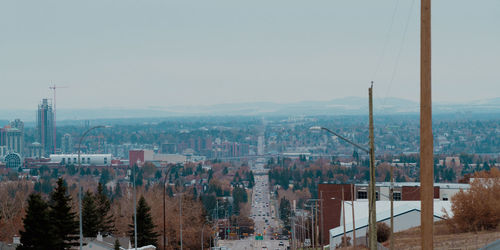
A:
{"x": 281, "y": 243}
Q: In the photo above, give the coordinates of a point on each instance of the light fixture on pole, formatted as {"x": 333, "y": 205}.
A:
{"x": 371, "y": 197}
{"x": 164, "y": 208}
{"x": 79, "y": 183}
{"x": 135, "y": 204}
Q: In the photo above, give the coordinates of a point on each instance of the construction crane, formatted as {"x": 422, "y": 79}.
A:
{"x": 54, "y": 87}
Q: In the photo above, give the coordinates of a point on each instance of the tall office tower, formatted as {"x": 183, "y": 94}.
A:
{"x": 45, "y": 126}
{"x": 260, "y": 145}
{"x": 67, "y": 144}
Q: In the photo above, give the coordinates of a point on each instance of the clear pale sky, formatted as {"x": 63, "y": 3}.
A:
{"x": 162, "y": 53}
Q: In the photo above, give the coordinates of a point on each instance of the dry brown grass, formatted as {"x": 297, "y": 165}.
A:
{"x": 444, "y": 239}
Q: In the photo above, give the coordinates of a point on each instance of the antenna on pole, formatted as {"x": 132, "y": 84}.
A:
{"x": 54, "y": 87}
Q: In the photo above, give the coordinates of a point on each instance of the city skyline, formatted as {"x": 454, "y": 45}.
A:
{"x": 212, "y": 53}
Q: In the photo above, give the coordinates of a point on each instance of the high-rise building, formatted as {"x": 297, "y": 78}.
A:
{"x": 17, "y": 123}
{"x": 260, "y": 145}
{"x": 35, "y": 150}
{"x": 45, "y": 126}
{"x": 67, "y": 144}
{"x": 12, "y": 137}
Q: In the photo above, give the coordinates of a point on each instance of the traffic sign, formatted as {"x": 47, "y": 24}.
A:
{"x": 307, "y": 242}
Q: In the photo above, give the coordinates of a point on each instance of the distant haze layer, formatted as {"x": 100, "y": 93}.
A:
{"x": 142, "y": 54}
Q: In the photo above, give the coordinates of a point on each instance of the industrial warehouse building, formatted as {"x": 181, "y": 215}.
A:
{"x": 406, "y": 215}
{"x": 331, "y": 197}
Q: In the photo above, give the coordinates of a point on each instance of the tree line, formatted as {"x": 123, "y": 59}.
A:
{"x": 53, "y": 224}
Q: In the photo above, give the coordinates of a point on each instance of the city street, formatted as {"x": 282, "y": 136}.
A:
{"x": 264, "y": 214}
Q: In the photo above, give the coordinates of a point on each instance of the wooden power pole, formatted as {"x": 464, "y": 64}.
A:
{"x": 391, "y": 194}
{"x": 426, "y": 140}
{"x": 371, "y": 195}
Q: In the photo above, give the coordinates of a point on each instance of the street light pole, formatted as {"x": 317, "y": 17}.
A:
{"x": 391, "y": 194}
{"x": 202, "y": 228}
{"x": 371, "y": 152}
{"x": 343, "y": 217}
{"x": 353, "y": 221}
{"x": 79, "y": 179}
{"x": 372, "y": 196}
{"x": 180, "y": 217}
{"x": 135, "y": 207}
{"x": 312, "y": 225}
{"x": 164, "y": 212}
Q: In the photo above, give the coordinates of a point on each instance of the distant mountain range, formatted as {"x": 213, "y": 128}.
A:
{"x": 342, "y": 106}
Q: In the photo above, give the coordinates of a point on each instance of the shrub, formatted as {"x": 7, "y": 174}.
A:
{"x": 478, "y": 208}
{"x": 383, "y": 232}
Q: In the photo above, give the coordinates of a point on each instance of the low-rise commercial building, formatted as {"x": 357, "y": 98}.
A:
{"x": 85, "y": 159}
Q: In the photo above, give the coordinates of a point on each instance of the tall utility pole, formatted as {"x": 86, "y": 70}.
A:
{"x": 312, "y": 225}
{"x": 371, "y": 195}
{"x": 426, "y": 140}
{"x": 180, "y": 217}
{"x": 344, "y": 243}
{"x": 164, "y": 208}
{"x": 135, "y": 206}
{"x": 353, "y": 221}
{"x": 391, "y": 194}
{"x": 322, "y": 218}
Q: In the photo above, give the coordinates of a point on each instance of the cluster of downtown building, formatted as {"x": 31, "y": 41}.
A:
{"x": 13, "y": 148}
{"x": 43, "y": 148}
{"x": 224, "y": 138}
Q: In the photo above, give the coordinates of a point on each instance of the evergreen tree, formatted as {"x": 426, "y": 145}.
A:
{"x": 38, "y": 231}
{"x": 170, "y": 192}
{"x": 105, "y": 176}
{"x": 105, "y": 218}
{"x": 285, "y": 212}
{"x": 117, "y": 245}
{"x": 90, "y": 215}
{"x": 210, "y": 174}
{"x": 145, "y": 226}
{"x": 118, "y": 191}
{"x": 63, "y": 220}
{"x": 251, "y": 179}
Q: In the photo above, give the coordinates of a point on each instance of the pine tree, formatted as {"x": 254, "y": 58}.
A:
{"x": 118, "y": 191}
{"x": 117, "y": 244}
{"x": 145, "y": 226}
{"x": 63, "y": 220}
{"x": 90, "y": 215}
{"x": 38, "y": 231}
{"x": 105, "y": 218}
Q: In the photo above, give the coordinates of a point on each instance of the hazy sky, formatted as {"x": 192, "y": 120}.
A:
{"x": 163, "y": 53}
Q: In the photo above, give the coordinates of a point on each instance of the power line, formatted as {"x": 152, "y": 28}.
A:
{"x": 387, "y": 36}
{"x": 403, "y": 39}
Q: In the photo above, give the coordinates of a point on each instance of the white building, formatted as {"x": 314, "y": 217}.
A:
{"x": 85, "y": 159}
{"x": 406, "y": 215}
{"x": 108, "y": 243}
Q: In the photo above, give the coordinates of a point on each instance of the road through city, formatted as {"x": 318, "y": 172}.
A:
{"x": 264, "y": 213}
